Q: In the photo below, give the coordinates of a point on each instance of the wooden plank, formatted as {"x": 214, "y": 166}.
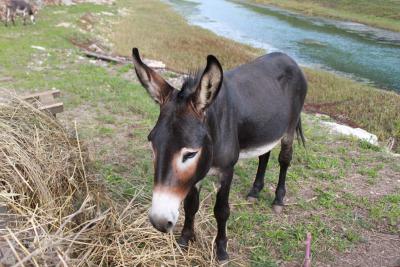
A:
{"x": 105, "y": 57}
{"x": 6, "y": 79}
{"x": 53, "y": 108}
{"x": 46, "y": 99}
{"x": 37, "y": 96}
{"x": 124, "y": 60}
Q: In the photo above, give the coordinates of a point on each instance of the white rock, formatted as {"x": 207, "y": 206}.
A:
{"x": 38, "y": 47}
{"x": 123, "y": 12}
{"x": 107, "y": 13}
{"x": 154, "y": 63}
{"x": 99, "y": 2}
{"x": 67, "y": 2}
{"x": 356, "y": 132}
{"x": 64, "y": 24}
{"x": 95, "y": 48}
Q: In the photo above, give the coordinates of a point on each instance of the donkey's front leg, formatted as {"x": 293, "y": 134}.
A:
{"x": 7, "y": 16}
{"x": 191, "y": 206}
{"x": 221, "y": 212}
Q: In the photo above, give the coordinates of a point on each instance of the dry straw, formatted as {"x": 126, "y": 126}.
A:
{"x": 55, "y": 213}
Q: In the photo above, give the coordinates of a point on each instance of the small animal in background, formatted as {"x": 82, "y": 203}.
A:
{"x": 20, "y": 8}
{"x": 2, "y": 11}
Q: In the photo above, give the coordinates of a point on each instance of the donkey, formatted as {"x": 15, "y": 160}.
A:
{"x": 214, "y": 120}
{"x": 22, "y": 8}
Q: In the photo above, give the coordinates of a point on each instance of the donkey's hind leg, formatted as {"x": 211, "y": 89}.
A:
{"x": 285, "y": 157}
{"x": 13, "y": 19}
{"x": 258, "y": 184}
{"x": 7, "y": 16}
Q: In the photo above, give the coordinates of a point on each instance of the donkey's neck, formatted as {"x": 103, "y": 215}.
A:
{"x": 222, "y": 128}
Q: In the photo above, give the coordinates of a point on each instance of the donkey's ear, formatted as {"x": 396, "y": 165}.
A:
{"x": 155, "y": 85}
{"x": 210, "y": 83}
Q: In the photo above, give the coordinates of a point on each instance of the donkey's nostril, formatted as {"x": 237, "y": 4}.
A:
{"x": 161, "y": 225}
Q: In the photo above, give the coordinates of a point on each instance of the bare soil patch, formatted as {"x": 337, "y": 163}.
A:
{"x": 377, "y": 249}
{"x": 330, "y": 110}
{"x": 386, "y": 183}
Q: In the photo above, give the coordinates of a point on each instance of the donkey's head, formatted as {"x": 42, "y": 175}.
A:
{"x": 181, "y": 144}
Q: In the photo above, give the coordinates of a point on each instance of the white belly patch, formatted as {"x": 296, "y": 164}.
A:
{"x": 257, "y": 151}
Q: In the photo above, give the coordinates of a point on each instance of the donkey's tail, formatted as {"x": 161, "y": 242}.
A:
{"x": 299, "y": 133}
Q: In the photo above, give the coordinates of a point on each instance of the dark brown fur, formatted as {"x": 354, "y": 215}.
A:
{"x": 250, "y": 107}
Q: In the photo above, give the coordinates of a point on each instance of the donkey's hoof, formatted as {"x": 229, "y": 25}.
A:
{"x": 277, "y": 209}
{"x": 183, "y": 242}
{"x": 222, "y": 257}
{"x": 252, "y": 199}
{"x": 252, "y": 196}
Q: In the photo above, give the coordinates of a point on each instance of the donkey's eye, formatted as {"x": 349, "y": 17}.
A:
{"x": 188, "y": 155}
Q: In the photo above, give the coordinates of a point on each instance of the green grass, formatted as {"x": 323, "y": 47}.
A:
{"x": 382, "y": 13}
{"x": 116, "y": 115}
{"x": 387, "y": 208}
{"x": 106, "y": 118}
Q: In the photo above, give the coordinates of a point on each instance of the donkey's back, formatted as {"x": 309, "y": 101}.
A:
{"x": 268, "y": 94}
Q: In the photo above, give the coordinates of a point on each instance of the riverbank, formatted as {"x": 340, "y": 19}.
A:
{"x": 181, "y": 46}
{"x": 170, "y": 39}
{"x": 381, "y": 14}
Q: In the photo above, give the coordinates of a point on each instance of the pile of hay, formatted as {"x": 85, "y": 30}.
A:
{"x": 55, "y": 213}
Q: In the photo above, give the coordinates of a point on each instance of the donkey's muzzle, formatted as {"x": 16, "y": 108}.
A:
{"x": 162, "y": 225}
{"x": 164, "y": 211}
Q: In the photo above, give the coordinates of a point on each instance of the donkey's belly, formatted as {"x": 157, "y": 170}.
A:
{"x": 258, "y": 150}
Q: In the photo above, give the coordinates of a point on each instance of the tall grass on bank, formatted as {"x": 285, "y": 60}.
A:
{"x": 367, "y": 107}
{"x": 58, "y": 214}
{"x": 383, "y": 14}
{"x": 169, "y": 38}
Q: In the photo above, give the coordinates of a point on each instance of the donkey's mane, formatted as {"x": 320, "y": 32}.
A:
{"x": 190, "y": 82}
